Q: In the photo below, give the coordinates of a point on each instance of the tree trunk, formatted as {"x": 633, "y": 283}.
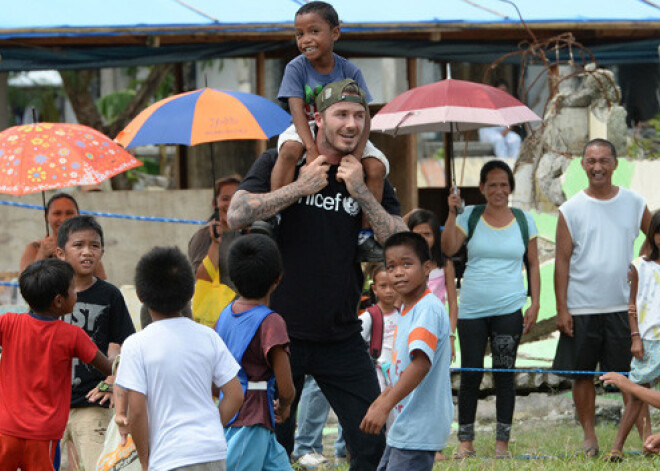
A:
{"x": 76, "y": 85}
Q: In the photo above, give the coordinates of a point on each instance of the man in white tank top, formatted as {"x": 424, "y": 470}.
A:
{"x": 595, "y": 235}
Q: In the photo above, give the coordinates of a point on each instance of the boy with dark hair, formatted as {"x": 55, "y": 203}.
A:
{"x": 166, "y": 373}
{"x": 35, "y": 372}
{"x": 422, "y": 396}
{"x": 257, "y": 338}
{"x": 317, "y": 29}
{"x": 102, "y": 313}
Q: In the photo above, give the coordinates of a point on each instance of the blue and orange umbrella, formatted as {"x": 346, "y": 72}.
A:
{"x": 205, "y": 115}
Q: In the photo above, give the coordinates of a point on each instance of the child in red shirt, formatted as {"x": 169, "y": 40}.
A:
{"x": 35, "y": 371}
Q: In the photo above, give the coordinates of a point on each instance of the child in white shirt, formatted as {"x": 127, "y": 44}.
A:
{"x": 167, "y": 371}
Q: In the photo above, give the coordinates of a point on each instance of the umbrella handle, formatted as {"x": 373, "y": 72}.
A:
{"x": 216, "y": 217}
{"x": 43, "y": 201}
{"x": 461, "y": 208}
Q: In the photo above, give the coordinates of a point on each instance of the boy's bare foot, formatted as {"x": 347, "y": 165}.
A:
{"x": 589, "y": 451}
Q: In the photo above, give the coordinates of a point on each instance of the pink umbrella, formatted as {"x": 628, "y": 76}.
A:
{"x": 448, "y": 106}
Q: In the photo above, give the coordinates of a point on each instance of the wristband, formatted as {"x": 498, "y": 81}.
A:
{"x": 634, "y": 334}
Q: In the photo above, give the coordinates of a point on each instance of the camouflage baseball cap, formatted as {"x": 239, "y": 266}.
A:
{"x": 336, "y": 92}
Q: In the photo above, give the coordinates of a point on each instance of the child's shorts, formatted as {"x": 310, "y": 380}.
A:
{"x": 219, "y": 465}
{"x": 370, "y": 150}
{"x": 254, "y": 447}
{"x": 26, "y": 454}
{"x": 647, "y": 370}
{"x": 395, "y": 459}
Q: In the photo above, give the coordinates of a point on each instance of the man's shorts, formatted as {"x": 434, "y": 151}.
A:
{"x": 370, "y": 150}
{"x": 598, "y": 339}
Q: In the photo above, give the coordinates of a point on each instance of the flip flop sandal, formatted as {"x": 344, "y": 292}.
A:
{"x": 463, "y": 454}
{"x": 613, "y": 456}
{"x": 503, "y": 455}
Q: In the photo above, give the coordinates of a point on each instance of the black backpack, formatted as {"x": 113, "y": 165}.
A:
{"x": 460, "y": 258}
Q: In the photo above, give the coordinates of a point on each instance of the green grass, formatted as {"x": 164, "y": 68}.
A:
{"x": 558, "y": 443}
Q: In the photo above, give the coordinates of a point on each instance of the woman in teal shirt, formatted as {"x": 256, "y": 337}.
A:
{"x": 492, "y": 296}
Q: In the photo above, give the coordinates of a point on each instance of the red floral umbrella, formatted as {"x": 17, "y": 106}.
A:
{"x": 46, "y": 156}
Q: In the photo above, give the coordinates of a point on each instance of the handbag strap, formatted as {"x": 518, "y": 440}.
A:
{"x": 212, "y": 271}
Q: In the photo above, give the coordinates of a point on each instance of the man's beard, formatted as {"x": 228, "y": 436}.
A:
{"x": 329, "y": 143}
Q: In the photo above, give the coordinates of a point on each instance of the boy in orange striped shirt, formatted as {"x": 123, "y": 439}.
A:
{"x": 420, "y": 389}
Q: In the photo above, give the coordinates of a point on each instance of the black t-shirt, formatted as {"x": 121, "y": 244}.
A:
{"x": 101, "y": 312}
{"x": 321, "y": 286}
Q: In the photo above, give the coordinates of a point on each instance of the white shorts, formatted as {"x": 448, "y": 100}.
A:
{"x": 370, "y": 150}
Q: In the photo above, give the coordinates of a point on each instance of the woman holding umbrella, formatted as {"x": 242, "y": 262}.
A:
{"x": 59, "y": 208}
{"x": 492, "y": 296}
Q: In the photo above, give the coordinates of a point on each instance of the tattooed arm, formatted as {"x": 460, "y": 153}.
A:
{"x": 382, "y": 223}
{"x": 246, "y": 207}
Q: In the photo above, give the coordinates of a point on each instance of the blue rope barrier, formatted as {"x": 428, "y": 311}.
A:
{"x": 8, "y": 283}
{"x": 531, "y": 370}
{"x": 481, "y": 370}
{"x": 111, "y": 215}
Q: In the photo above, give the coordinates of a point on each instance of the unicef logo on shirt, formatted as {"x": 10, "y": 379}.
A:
{"x": 351, "y": 206}
{"x": 332, "y": 203}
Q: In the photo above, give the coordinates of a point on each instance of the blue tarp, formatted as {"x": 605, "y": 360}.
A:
{"x": 40, "y": 14}
{"x": 88, "y": 21}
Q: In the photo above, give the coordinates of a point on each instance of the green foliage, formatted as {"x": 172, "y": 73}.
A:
{"x": 207, "y": 64}
{"x": 647, "y": 144}
{"x": 45, "y": 99}
{"x": 165, "y": 89}
{"x": 151, "y": 165}
{"x": 439, "y": 154}
{"x": 111, "y": 105}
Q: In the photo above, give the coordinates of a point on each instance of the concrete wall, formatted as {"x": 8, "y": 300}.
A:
{"x": 125, "y": 240}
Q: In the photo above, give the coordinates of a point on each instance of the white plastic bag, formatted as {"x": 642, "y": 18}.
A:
{"x": 116, "y": 457}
